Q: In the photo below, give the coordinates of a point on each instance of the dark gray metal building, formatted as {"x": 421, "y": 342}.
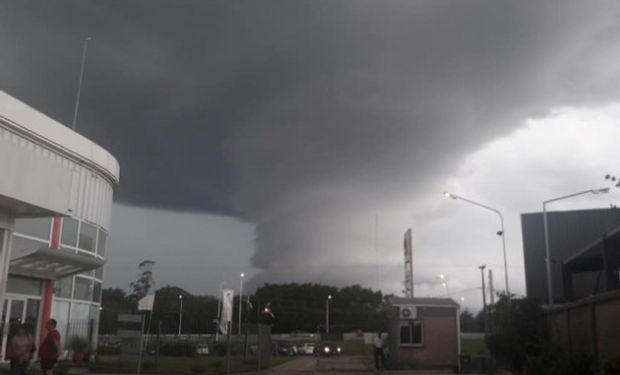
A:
{"x": 572, "y": 237}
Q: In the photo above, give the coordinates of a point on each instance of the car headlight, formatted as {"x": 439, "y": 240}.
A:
{"x": 338, "y": 349}
{"x": 326, "y": 349}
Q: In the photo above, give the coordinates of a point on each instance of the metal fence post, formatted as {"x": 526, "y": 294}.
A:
{"x": 229, "y": 328}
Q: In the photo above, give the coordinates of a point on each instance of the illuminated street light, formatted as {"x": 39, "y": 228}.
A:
{"x": 501, "y": 233}
{"x": 329, "y": 298}
{"x": 180, "y": 312}
{"x": 240, "y": 300}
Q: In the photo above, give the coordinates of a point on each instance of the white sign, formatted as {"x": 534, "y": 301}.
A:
{"x": 146, "y": 303}
{"x": 227, "y": 309}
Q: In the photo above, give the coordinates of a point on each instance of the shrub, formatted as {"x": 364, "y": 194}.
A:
{"x": 555, "y": 361}
{"x": 178, "y": 349}
{"x": 109, "y": 349}
{"x": 611, "y": 366}
{"x": 236, "y": 347}
{"x": 78, "y": 344}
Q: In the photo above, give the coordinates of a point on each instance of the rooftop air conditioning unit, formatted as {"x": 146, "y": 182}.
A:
{"x": 408, "y": 312}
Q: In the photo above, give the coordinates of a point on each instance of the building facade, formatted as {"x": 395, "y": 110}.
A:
{"x": 569, "y": 232}
{"x": 56, "y": 196}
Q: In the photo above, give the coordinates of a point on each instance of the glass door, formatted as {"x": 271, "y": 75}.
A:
{"x": 18, "y": 311}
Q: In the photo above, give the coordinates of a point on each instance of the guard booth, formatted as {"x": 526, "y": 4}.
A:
{"x": 423, "y": 333}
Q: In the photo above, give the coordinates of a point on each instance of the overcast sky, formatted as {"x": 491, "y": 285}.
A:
{"x": 270, "y": 137}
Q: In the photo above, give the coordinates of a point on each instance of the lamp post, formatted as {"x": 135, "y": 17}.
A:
{"x": 180, "y": 312}
{"x": 329, "y": 298}
{"x": 484, "y": 300}
{"x": 240, "y": 300}
{"x": 501, "y": 233}
{"x": 546, "y": 229}
{"x": 81, "y": 79}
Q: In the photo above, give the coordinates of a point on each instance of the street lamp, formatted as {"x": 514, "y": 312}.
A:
{"x": 180, "y": 312}
{"x": 240, "y": 300}
{"x": 501, "y": 233}
{"x": 79, "y": 90}
{"x": 547, "y": 250}
{"x": 444, "y": 283}
{"x": 329, "y": 298}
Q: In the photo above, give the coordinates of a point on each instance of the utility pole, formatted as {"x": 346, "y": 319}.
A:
{"x": 491, "y": 290}
{"x": 484, "y": 300}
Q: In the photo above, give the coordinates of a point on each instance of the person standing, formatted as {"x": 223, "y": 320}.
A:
{"x": 22, "y": 348}
{"x": 379, "y": 352}
{"x": 50, "y": 348}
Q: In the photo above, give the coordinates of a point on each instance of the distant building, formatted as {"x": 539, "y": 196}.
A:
{"x": 423, "y": 333}
{"x": 570, "y": 233}
{"x": 585, "y": 249}
{"x": 56, "y": 190}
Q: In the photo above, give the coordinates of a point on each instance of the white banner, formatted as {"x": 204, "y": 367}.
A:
{"x": 227, "y": 309}
{"x": 146, "y": 303}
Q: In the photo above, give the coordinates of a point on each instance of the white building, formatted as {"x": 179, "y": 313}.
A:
{"x": 56, "y": 191}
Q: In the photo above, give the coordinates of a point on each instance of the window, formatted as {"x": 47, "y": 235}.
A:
{"x": 22, "y": 285}
{"x": 35, "y": 227}
{"x": 97, "y": 292}
{"x": 63, "y": 287}
{"x": 22, "y": 246}
{"x": 87, "y": 273}
{"x": 83, "y": 289}
{"x": 99, "y": 273}
{"x": 101, "y": 242}
{"x": 411, "y": 332}
{"x": 69, "y": 232}
{"x": 88, "y": 237}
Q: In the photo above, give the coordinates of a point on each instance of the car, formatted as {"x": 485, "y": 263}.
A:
{"x": 307, "y": 348}
{"x": 327, "y": 349}
{"x": 202, "y": 349}
{"x": 284, "y": 348}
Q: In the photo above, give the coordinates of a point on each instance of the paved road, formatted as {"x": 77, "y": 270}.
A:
{"x": 312, "y": 364}
{"x": 349, "y": 365}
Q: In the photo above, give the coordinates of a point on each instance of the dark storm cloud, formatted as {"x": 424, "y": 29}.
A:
{"x": 304, "y": 117}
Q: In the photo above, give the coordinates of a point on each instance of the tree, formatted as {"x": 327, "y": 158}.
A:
{"x": 469, "y": 323}
{"x": 113, "y": 302}
{"x": 145, "y": 282}
{"x": 518, "y": 331}
{"x": 302, "y": 307}
{"x": 198, "y": 311}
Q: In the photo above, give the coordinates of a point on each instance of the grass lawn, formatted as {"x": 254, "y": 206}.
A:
{"x": 207, "y": 364}
{"x": 474, "y": 347}
{"x": 355, "y": 347}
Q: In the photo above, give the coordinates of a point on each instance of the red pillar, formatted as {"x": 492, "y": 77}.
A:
{"x": 48, "y": 285}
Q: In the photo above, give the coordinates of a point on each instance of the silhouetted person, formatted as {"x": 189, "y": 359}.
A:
{"x": 50, "y": 348}
{"x": 379, "y": 352}
{"x": 22, "y": 349}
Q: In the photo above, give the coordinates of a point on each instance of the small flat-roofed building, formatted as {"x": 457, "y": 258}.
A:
{"x": 424, "y": 333}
